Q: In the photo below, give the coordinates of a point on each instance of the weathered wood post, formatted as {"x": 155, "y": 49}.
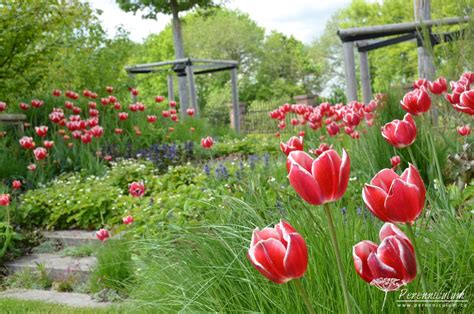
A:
{"x": 365, "y": 77}
{"x": 426, "y": 67}
{"x": 350, "y": 71}
{"x": 192, "y": 89}
{"x": 235, "y": 99}
{"x": 170, "y": 87}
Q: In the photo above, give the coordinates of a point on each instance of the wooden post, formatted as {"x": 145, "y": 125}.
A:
{"x": 170, "y": 87}
{"x": 426, "y": 67}
{"x": 365, "y": 77}
{"x": 192, "y": 89}
{"x": 349, "y": 66}
{"x": 235, "y": 99}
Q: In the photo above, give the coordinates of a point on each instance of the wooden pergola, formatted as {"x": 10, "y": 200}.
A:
{"x": 375, "y": 37}
{"x": 188, "y": 67}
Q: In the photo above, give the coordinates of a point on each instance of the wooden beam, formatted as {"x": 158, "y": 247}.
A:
{"x": 370, "y": 32}
{"x": 235, "y": 100}
{"x": 365, "y": 77}
{"x": 350, "y": 71}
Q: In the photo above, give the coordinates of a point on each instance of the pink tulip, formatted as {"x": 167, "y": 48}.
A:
{"x": 388, "y": 266}
{"x": 464, "y": 130}
{"x": 40, "y": 153}
{"x": 400, "y": 133}
{"x": 321, "y": 180}
{"x": 136, "y": 189}
{"x": 416, "y": 102}
{"x": 294, "y": 143}
{"x": 207, "y": 142}
{"x": 466, "y": 102}
{"x": 102, "y": 234}
{"x": 127, "y": 220}
{"x": 159, "y": 98}
{"x": 48, "y": 144}
{"x": 439, "y": 86}
{"x": 4, "y": 199}
{"x": 395, "y": 161}
{"x": 190, "y": 112}
{"x": 31, "y": 167}
{"x": 41, "y": 130}
{"x": 151, "y": 119}
{"x": 394, "y": 198}
{"x": 27, "y": 142}
{"x": 280, "y": 254}
{"x": 16, "y": 184}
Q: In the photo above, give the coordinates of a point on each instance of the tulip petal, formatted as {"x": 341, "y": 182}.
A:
{"x": 284, "y": 229}
{"x": 411, "y": 175}
{"x": 404, "y": 134}
{"x": 264, "y": 234}
{"x": 374, "y": 198}
{"x": 344, "y": 174}
{"x": 325, "y": 171}
{"x": 301, "y": 158}
{"x": 296, "y": 258}
{"x": 390, "y": 229}
{"x": 396, "y": 253}
{"x": 403, "y": 202}
{"x": 304, "y": 184}
{"x": 384, "y": 178}
{"x": 360, "y": 253}
{"x": 267, "y": 257}
{"x": 378, "y": 269}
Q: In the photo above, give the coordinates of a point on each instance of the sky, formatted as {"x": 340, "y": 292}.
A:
{"x": 304, "y": 19}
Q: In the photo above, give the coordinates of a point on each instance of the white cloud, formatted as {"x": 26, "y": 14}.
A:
{"x": 304, "y": 19}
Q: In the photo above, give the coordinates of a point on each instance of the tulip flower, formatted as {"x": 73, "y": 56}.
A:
{"x": 293, "y": 144}
{"x": 389, "y": 265}
{"x": 16, "y": 184}
{"x": 123, "y": 116}
{"x": 56, "y": 93}
{"x": 37, "y": 103}
{"x": 40, "y": 153}
{"x": 416, "y": 102}
{"x": 48, "y": 144}
{"x": 277, "y": 134}
{"x": 165, "y": 114}
{"x": 421, "y": 83}
{"x": 207, "y": 142}
{"x": 151, "y": 119}
{"x": 321, "y": 149}
{"x": 127, "y": 220}
{"x": 160, "y": 98}
{"x": 117, "y": 106}
{"x": 136, "y": 189}
{"x": 27, "y": 142}
{"x": 321, "y": 180}
{"x": 24, "y": 106}
{"x": 280, "y": 254}
{"x": 332, "y": 128}
{"x": 466, "y": 102}
{"x": 439, "y": 86}
{"x": 41, "y": 130}
{"x": 400, "y": 133}
{"x": 96, "y": 131}
{"x": 464, "y": 130}
{"x": 102, "y": 234}
{"x": 172, "y": 103}
{"x": 394, "y": 198}
{"x": 190, "y": 112}
{"x": 192, "y": 129}
{"x": 134, "y": 92}
{"x": 4, "y": 199}
{"x": 107, "y": 158}
{"x": 31, "y": 167}
{"x": 395, "y": 161}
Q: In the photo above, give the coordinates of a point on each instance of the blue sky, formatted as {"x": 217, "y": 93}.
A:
{"x": 304, "y": 19}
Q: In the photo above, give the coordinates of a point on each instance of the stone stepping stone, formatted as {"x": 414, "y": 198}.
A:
{"x": 57, "y": 266}
{"x": 63, "y": 298}
{"x": 71, "y": 237}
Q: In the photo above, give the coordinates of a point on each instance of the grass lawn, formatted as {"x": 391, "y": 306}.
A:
{"x": 21, "y": 306}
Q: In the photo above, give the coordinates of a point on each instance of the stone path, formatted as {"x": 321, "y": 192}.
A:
{"x": 57, "y": 267}
{"x": 63, "y": 298}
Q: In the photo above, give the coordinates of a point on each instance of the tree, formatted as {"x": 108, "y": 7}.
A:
{"x": 152, "y": 8}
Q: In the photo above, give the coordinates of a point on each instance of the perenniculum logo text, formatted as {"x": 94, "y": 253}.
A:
{"x": 432, "y": 299}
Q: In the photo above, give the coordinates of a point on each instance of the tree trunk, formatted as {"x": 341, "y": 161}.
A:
{"x": 179, "y": 54}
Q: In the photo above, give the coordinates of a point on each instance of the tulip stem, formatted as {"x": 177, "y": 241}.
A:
{"x": 412, "y": 157}
{"x": 411, "y": 234}
{"x": 305, "y": 296}
{"x": 342, "y": 276}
